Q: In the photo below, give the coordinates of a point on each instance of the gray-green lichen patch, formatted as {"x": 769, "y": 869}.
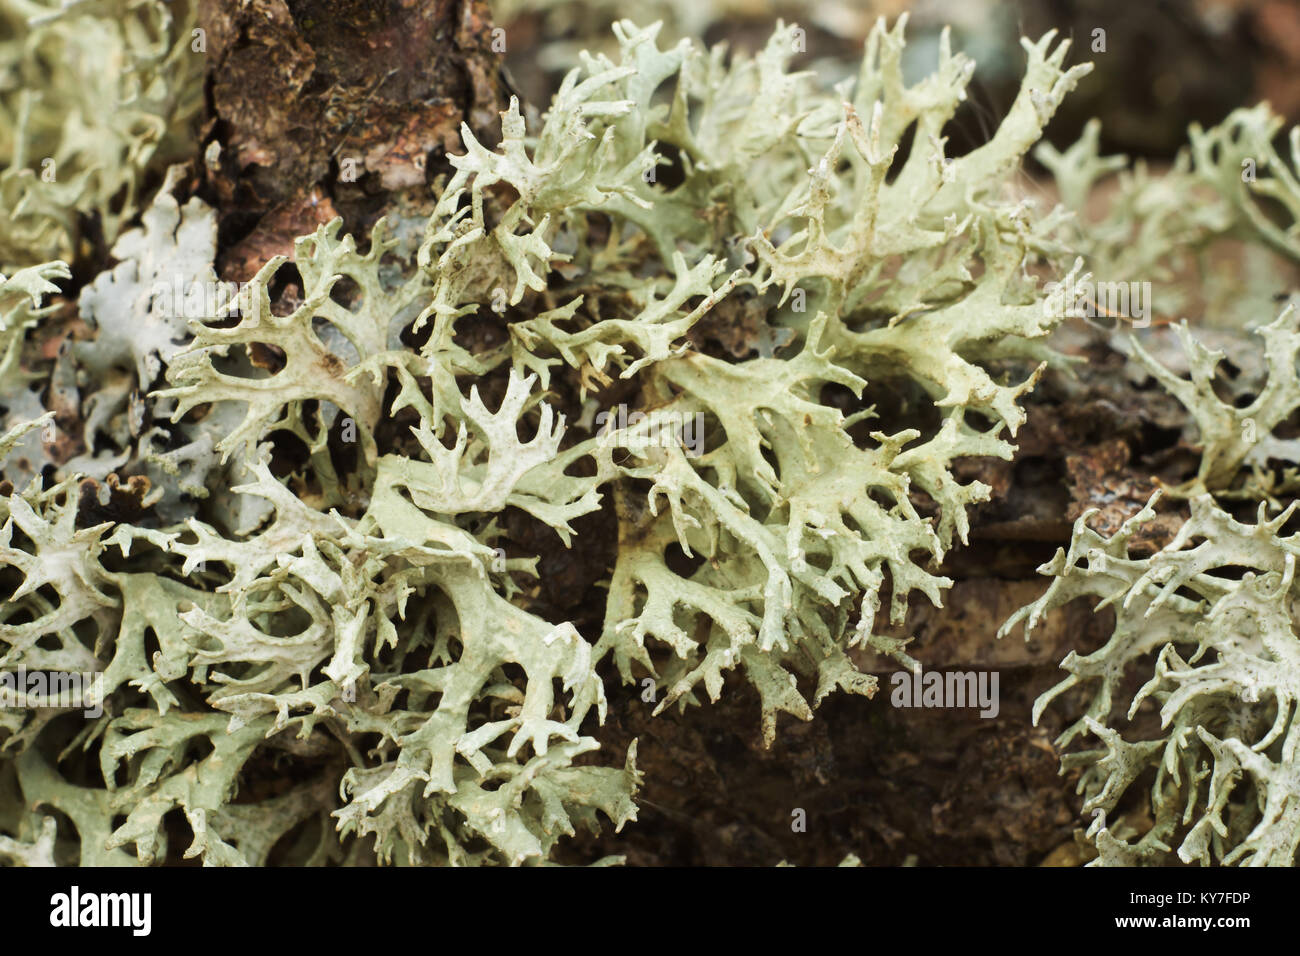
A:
{"x": 1208, "y": 621}
{"x": 274, "y": 523}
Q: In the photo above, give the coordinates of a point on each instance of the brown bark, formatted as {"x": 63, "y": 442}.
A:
{"x": 322, "y": 108}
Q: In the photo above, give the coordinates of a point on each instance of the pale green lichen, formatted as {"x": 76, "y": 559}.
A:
{"x": 1176, "y": 229}
{"x": 1208, "y": 619}
{"x": 1208, "y": 622}
{"x": 315, "y": 580}
{"x": 351, "y": 618}
{"x": 96, "y": 93}
{"x": 1234, "y": 435}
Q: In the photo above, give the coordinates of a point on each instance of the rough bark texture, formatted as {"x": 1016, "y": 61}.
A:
{"x": 324, "y": 108}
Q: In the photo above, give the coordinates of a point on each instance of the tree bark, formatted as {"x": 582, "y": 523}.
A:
{"x": 335, "y": 107}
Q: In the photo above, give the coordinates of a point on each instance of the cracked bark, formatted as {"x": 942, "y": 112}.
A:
{"x": 333, "y": 108}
